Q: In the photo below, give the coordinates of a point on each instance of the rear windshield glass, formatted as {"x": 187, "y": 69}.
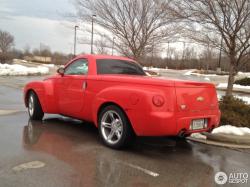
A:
{"x": 115, "y": 66}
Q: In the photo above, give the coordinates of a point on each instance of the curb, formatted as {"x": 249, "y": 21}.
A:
{"x": 234, "y": 139}
{"x": 224, "y": 140}
{"x": 221, "y": 144}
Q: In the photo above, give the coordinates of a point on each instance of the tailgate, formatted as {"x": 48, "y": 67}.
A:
{"x": 196, "y": 98}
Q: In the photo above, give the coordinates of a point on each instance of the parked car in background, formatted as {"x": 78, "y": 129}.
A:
{"x": 116, "y": 95}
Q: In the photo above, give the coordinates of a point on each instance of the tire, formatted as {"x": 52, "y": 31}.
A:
{"x": 114, "y": 128}
{"x": 34, "y": 107}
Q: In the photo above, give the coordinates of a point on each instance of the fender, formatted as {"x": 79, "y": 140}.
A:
{"x": 133, "y": 100}
{"x": 38, "y": 88}
{"x": 45, "y": 92}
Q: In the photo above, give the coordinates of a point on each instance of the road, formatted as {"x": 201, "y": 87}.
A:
{"x": 60, "y": 151}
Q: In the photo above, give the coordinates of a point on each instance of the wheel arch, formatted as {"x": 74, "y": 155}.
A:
{"x": 26, "y": 97}
{"x": 108, "y": 103}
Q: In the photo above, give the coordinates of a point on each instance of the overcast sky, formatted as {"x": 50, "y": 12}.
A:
{"x": 40, "y": 21}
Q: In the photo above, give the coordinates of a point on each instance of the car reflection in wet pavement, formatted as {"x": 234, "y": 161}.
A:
{"x": 74, "y": 156}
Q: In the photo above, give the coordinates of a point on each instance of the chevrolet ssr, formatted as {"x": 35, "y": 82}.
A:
{"x": 122, "y": 101}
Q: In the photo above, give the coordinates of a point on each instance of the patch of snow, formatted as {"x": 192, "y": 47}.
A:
{"x": 16, "y": 69}
{"x": 224, "y": 85}
{"x": 188, "y": 72}
{"x": 246, "y": 74}
{"x": 206, "y": 75}
{"x": 198, "y": 136}
{"x": 240, "y": 86}
{"x": 207, "y": 79}
{"x": 191, "y": 72}
{"x": 243, "y": 98}
{"x": 155, "y": 69}
{"x": 49, "y": 65}
{"x": 229, "y": 129}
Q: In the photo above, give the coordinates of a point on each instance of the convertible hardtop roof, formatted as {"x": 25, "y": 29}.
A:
{"x": 104, "y": 57}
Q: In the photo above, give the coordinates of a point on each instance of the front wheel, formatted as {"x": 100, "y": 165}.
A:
{"x": 34, "y": 107}
{"x": 114, "y": 127}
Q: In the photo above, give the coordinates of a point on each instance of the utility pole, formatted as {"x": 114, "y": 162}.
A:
{"x": 92, "y": 33}
{"x": 75, "y": 40}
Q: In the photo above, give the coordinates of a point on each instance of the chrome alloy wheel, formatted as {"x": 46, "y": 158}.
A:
{"x": 111, "y": 127}
{"x": 31, "y": 105}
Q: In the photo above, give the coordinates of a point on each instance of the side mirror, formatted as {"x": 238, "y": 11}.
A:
{"x": 61, "y": 71}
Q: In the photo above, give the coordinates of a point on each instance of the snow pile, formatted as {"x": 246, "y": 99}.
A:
{"x": 225, "y": 129}
{"x": 16, "y": 69}
{"x": 224, "y": 85}
{"x": 229, "y": 129}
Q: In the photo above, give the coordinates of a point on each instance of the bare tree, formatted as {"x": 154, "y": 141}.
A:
{"x": 136, "y": 25}
{"x": 6, "y": 42}
{"x": 225, "y": 24}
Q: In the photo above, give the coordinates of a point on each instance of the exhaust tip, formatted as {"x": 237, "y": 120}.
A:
{"x": 182, "y": 133}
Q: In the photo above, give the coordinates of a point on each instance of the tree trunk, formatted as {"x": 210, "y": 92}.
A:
{"x": 230, "y": 83}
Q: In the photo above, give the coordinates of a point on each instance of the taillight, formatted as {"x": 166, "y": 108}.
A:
{"x": 158, "y": 100}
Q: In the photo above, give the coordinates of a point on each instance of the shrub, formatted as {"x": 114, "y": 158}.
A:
{"x": 244, "y": 82}
{"x": 235, "y": 112}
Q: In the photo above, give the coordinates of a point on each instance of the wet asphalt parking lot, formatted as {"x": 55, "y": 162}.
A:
{"x": 60, "y": 151}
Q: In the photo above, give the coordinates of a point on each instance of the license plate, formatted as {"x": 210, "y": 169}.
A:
{"x": 198, "y": 124}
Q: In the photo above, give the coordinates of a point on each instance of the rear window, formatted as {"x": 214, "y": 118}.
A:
{"x": 113, "y": 66}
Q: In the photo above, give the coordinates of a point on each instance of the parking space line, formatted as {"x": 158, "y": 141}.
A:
{"x": 151, "y": 173}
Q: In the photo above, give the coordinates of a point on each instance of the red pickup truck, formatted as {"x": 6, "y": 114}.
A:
{"x": 122, "y": 101}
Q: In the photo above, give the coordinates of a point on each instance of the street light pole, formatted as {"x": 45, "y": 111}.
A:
{"x": 113, "y": 46}
{"x": 92, "y": 33}
{"x": 75, "y": 41}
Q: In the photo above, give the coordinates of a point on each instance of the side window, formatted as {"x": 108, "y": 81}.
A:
{"x": 78, "y": 67}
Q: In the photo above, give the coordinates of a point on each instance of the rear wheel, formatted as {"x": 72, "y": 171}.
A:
{"x": 114, "y": 127}
{"x": 34, "y": 107}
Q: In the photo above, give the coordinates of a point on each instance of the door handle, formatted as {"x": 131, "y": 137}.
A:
{"x": 84, "y": 85}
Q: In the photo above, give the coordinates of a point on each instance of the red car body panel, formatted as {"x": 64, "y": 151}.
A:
{"x": 134, "y": 94}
